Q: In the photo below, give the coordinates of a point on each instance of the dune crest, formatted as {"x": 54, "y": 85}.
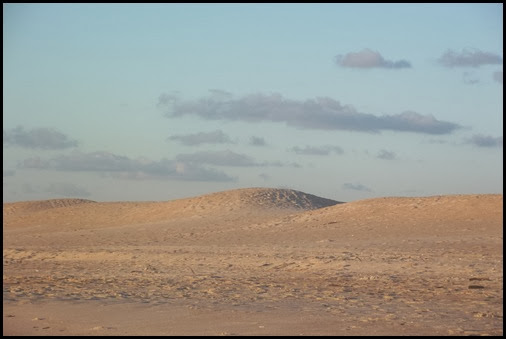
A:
{"x": 79, "y": 211}
{"x": 265, "y": 198}
{"x": 454, "y": 207}
{"x": 39, "y": 205}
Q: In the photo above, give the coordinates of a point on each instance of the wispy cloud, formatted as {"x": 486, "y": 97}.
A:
{"x": 124, "y": 167}
{"x": 257, "y": 141}
{"x": 38, "y": 138}
{"x": 218, "y": 158}
{"x": 498, "y": 76}
{"x": 317, "y": 150}
{"x": 356, "y": 187}
{"x": 215, "y": 137}
{"x": 469, "y": 57}
{"x": 319, "y": 113}
{"x": 485, "y": 141}
{"x": 386, "y": 155}
{"x": 227, "y": 158}
{"x": 437, "y": 141}
{"x": 469, "y": 78}
{"x": 368, "y": 58}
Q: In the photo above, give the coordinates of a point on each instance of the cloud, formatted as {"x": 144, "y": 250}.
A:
{"x": 386, "y": 155}
{"x": 469, "y": 78}
{"x": 356, "y": 187}
{"x": 215, "y": 137}
{"x": 319, "y": 113}
{"x": 498, "y": 76}
{"x": 469, "y": 57}
{"x": 67, "y": 190}
{"x": 226, "y": 158}
{"x": 124, "y": 167}
{"x": 437, "y": 141}
{"x": 317, "y": 150}
{"x": 38, "y": 138}
{"x": 257, "y": 141}
{"x": 368, "y": 58}
{"x": 485, "y": 141}
{"x": 218, "y": 158}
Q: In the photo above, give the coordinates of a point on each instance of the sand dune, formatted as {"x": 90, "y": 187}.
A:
{"x": 25, "y": 207}
{"x": 255, "y": 261}
{"x": 74, "y": 212}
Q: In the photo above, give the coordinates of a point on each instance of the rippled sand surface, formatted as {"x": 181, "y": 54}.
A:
{"x": 255, "y": 262}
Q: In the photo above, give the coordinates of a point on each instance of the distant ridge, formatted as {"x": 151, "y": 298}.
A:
{"x": 218, "y": 205}
{"x": 39, "y": 205}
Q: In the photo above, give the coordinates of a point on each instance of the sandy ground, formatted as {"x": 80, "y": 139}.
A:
{"x": 254, "y": 262}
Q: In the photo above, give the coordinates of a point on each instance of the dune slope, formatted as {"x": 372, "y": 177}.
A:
{"x": 78, "y": 212}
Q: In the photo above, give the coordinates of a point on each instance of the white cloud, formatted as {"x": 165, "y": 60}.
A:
{"x": 368, "y": 58}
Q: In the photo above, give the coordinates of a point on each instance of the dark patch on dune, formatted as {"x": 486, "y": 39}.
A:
{"x": 40, "y": 205}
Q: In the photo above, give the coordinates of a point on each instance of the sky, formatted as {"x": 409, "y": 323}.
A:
{"x": 155, "y": 102}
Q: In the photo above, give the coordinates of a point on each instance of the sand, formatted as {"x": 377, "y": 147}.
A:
{"x": 255, "y": 262}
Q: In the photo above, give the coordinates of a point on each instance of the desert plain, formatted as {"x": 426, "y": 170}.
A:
{"x": 256, "y": 261}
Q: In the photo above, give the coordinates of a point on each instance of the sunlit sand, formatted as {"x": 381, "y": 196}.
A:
{"x": 255, "y": 262}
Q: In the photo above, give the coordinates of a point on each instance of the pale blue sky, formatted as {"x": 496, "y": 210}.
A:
{"x": 165, "y": 101}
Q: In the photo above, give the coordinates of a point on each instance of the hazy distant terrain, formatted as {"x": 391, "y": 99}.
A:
{"x": 255, "y": 261}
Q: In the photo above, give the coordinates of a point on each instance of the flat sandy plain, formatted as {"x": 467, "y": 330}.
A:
{"x": 255, "y": 262}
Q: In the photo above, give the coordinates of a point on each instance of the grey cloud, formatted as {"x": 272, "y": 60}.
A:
{"x": 182, "y": 171}
{"x": 227, "y": 158}
{"x": 320, "y": 113}
{"x": 368, "y": 58}
{"x": 124, "y": 167}
{"x": 67, "y": 190}
{"x": 218, "y": 158}
{"x": 215, "y": 137}
{"x": 469, "y": 57}
{"x": 386, "y": 155}
{"x": 356, "y": 187}
{"x": 38, "y": 138}
{"x": 257, "y": 141}
{"x": 317, "y": 150}
{"x": 498, "y": 76}
{"x": 96, "y": 161}
{"x": 485, "y": 141}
